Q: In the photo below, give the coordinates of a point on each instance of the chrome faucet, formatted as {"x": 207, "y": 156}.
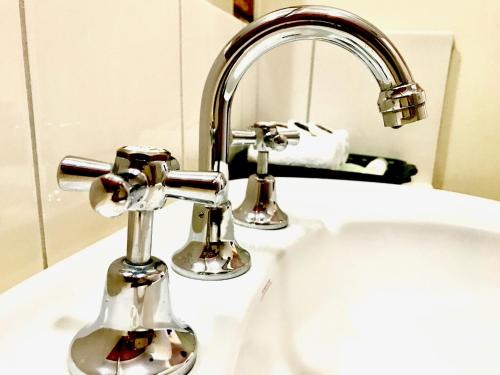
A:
{"x": 212, "y": 251}
{"x": 136, "y": 331}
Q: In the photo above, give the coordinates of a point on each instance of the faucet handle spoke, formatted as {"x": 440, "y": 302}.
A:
{"x": 243, "y": 137}
{"x": 111, "y": 195}
{"x": 292, "y": 136}
{"x": 200, "y": 187}
{"x": 77, "y": 173}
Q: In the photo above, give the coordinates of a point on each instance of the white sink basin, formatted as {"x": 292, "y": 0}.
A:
{"x": 367, "y": 279}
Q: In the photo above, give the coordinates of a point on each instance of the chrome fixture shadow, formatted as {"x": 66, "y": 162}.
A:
{"x": 136, "y": 331}
{"x": 212, "y": 247}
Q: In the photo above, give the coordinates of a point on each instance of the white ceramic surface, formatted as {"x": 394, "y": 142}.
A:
{"x": 367, "y": 278}
{"x": 386, "y": 282}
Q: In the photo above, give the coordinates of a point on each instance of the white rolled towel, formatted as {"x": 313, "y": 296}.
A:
{"x": 317, "y": 148}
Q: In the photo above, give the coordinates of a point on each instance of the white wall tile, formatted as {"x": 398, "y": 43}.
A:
{"x": 344, "y": 96}
{"x": 104, "y": 75}
{"x": 244, "y": 110}
{"x": 21, "y": 254}
{"x": 205, "y": 31}
{"x": 284, "y": 77}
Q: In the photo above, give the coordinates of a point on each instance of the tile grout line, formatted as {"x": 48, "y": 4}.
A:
{"x": 34, "y": 150}
{"x": 309, "y": 89}
{"x": 181, "y": 84}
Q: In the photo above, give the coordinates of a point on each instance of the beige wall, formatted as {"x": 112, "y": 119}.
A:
{"x": 468, "y": 156}
{"x": 21, "y": 251}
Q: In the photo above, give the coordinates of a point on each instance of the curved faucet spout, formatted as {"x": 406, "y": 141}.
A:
{"x": 212, "y": 252}
{"x": 401, "y": 100}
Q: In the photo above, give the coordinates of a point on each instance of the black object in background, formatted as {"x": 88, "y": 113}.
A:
{"x": 398, "y": 171}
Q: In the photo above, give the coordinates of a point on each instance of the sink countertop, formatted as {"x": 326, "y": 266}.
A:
{"x": 39, "y": 317}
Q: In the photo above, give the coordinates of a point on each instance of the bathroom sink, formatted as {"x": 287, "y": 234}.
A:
{"x": 367, "y": 279}
{"x": 383, "y": 298}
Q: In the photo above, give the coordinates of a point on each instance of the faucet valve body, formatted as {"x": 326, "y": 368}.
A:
{"x": 259, "y": 208}
{"x": 136, "y": 331}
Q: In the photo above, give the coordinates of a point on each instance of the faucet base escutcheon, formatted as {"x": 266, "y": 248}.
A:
{"x": 135, "y": 331}
{"x": 259, "y": 210}
{"x": 211, "y": 261}
{"x": 211, "y": 253}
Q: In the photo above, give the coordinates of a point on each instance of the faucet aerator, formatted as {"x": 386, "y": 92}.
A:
{"x": 402, "y": 105}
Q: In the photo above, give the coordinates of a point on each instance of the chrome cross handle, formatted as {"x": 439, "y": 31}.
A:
{"x": 266, "y": 136}
{"x": 141, "y": 179}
